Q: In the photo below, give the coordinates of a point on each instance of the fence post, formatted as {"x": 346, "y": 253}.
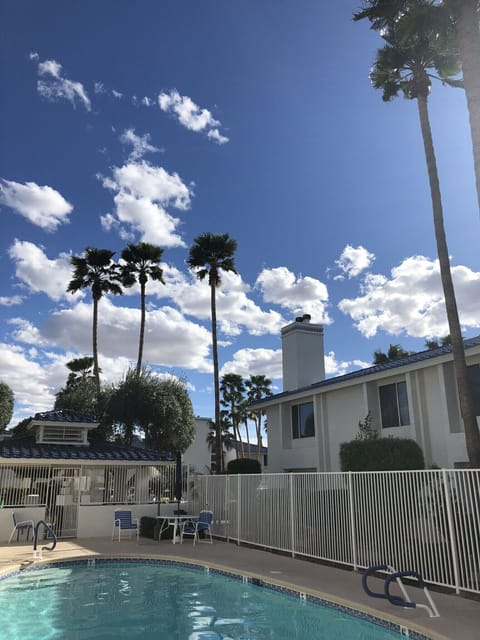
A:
{"x": 239, "y": 495}
{"x": 292, "y": 520}
{"x": 451, "y": 532}
{"x": 352, "y": 521}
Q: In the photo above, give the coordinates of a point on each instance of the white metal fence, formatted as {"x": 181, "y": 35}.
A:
{"x": 427, "y": 521}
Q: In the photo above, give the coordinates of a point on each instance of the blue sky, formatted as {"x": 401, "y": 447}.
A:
{"x": 158, "y": 121}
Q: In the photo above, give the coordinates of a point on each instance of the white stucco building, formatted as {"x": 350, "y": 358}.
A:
{"x": 415, "y": 397}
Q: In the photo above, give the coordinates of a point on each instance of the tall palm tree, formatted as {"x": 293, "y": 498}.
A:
{"x": 405, "y": 66}
{"x": 141, "y": 264}
{"x": 209, "y": 256}
{"x": 464, "y": 16}
{"x": 95, "y": 271}
{"x": 258, "y": 387}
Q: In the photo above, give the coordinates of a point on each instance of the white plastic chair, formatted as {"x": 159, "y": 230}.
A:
{"x": 203, "y": 523}
{"x": 20, "y": 526}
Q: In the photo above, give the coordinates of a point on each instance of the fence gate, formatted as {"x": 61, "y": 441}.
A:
{"x": 62, "y": 503}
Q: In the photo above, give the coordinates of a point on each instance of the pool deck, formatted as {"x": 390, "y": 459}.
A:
{"x": 459, "y": 616}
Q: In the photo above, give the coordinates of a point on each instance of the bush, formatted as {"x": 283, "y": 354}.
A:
{"x": 244, "y": 465}
{"x": 382, "y": 454}
{"x": 147, "y": 526}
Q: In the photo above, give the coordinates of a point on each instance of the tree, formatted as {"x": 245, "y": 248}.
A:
{"x": 232, "y": 388}
{"x": 96, "y": 272}
{"x": 80, "y": 369}
{"x": 404, "y": 65}
{"x": 395, "y": 352}
{"x": 436, "y": 344}
{"x": 464, "y": 17}
{"x": 208, "y": 257}
{"x": 226, "y": 442}
{"x": 141, "y": 265}
{"x": 258, "y": 387}
{"x": 159, "y": 409}
{"x": 6, "y": 404}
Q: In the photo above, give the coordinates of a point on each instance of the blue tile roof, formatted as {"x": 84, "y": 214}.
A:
{"x": 64, "y": 415}
{"x": 377, "y": 368}
{"x": 96, "y": 450}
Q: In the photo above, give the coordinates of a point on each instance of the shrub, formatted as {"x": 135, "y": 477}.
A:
{"x": 382, "y": 454}
{"x": 244, "y": 465}
{"x": 147, "y": 526}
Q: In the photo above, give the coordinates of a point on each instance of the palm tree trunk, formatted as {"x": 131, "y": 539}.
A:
{"x": 96, "y": 371}
{"x": 142, "y": 327}
{"x": 216, "y": 382}
{"x": 465, "y": 16}
{"x": 472, "y": 434}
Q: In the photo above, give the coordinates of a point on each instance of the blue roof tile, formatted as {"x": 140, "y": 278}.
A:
{"x": 97, "y": 450}
{"x": 64, "y": 415}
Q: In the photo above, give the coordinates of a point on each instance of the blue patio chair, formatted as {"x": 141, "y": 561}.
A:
{"x": 123, "y": 522}
{"x": 202, "y": 523}
{"x": 21, "y": 526}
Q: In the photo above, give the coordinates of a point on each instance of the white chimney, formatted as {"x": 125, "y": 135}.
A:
{"x": 303, "y": 358}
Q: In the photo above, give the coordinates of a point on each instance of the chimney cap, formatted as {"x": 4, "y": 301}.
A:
{"x": 307, "y": 317}
{"x": 299, "y": 319}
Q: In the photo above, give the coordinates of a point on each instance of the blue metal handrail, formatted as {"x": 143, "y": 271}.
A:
{"x": 52, "y": 533}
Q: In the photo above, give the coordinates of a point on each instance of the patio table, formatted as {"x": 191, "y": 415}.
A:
{"x": 175, "y": 522}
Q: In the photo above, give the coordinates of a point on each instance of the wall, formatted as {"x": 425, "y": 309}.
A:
{"x": 198, "y": 456}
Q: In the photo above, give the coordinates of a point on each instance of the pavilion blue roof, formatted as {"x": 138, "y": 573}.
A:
{"x": 94, "y": 451}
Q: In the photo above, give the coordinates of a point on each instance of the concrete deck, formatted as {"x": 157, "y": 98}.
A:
{"x": 459, "y": 616}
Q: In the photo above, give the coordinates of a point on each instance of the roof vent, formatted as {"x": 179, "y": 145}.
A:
{"x": 299, "y": 319}
{"x": 307, "y": 317}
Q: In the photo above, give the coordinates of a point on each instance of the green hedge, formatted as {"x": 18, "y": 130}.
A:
{"x": 244, "y": 465}
{"x": 382, "y": 454}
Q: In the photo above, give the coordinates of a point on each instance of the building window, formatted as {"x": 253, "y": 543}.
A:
{"x": 303, "y": 424}
{"x": 394, "y": 405}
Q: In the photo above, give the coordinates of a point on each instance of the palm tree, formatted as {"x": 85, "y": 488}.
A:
{"x": 395, "y": 352}
{"x": 232, "y": 388}
{"x": 404, "y": 65}
{"x": 96, "y": 272}
{"x": 464, "y": 16}
{"x": 141, "y": 265}
{"x": 258, "y": 387}
{"x": 209, "y": 256}
{"x": 227, "y": 440}
{"x": 80, "y": 370}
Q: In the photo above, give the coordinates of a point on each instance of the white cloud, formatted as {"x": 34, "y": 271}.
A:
{"x": 412, "y": 300}
{"x": 31, "y": 381}
{"x": 41, "y": 205}
{"x": 190, "y": 115}
{"x": 143, "y": 192}
{"x": 354, "y": 260}
{"x": 235, "y": 310}
{"x": 170, "y": 339}
{"x": 141, "y": 144}
{"x": 54, "y": 86}
{"x": 297, "y": 294}
{"x": 10, "y": 301}
{"x": 246, "y": 362}
{"x": 39, "y": 273}
{"x": 214, "y": 134}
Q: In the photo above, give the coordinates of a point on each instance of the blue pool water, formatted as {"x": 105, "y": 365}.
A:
{"x": 153, "y": 600}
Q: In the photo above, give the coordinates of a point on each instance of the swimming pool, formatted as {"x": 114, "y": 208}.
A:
{"x": 128, "y": 598}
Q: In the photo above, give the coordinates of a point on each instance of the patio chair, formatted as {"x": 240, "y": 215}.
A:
{"x": 123, "y": 522}
{"x": 203, "y": 523}
{"x": 20, "y": 526}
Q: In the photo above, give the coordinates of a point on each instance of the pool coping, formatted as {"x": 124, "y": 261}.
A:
{"x": 408, "y": 629}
